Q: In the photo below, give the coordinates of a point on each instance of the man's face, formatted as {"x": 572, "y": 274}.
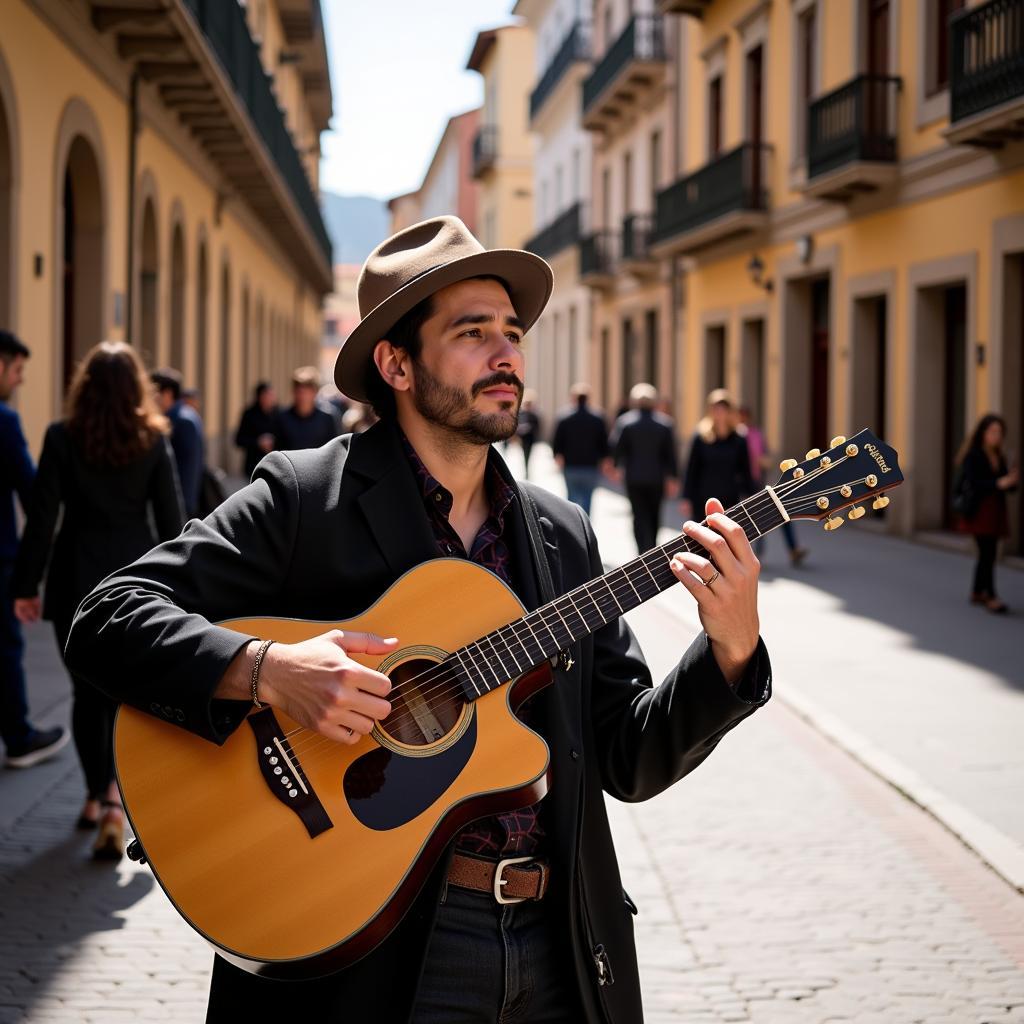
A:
{"x": 468, "y": 378}
{"x": 305, "y": 398}
{"x": 12, "y": 373}
{"x": 267, "y": 399}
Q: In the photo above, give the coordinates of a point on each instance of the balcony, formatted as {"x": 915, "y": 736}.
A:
{"x": 200, "y": 57}
{"x": 597, "y": 259}
{"x": 851, "y": 138}
{"x": 694, "y": 7}
{"x": 632, "y": 68}
{"x": 485, "y": 150}
{"x": 986, "y": 87}
{"x": 574, "y": 53}
{"x": 726, "y": 197}
{"x": 636, "y": 245}
{"x": 560, "y": 234}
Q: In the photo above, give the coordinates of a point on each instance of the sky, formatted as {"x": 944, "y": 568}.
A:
{"x": 397, "y": 74}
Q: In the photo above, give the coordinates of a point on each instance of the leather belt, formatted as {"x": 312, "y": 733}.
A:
{"x": 511, "y": 880}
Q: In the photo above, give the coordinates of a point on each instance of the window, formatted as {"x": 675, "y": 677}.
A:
{"x": 627, "y": 183}
{"x": 714, "y": 117}
{"x": 806, "y": 76}
{"x": 606, "y": 198}
{"x": 655, "y": 168}
{"x": 938, "y": 43}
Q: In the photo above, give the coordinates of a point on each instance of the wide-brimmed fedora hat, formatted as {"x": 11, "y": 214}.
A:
{"x": 406, "y": 268}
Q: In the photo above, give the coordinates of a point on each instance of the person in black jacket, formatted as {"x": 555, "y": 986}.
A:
{"x": 321, "y": 534}
{"x": 107, "y": 465}
{"x": 580, "y": 446}
{"x": 983, "y": 482}
{"x": 644, "y": 449}
{"x": 255, "y": 434}
{"x": 719, "y": 463}
{"x": 304, "y": 424}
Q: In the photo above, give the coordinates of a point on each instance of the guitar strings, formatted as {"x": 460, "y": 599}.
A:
{"x": 636, "y": 571}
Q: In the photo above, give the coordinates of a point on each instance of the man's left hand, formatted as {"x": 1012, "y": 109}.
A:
{"x": 724, "y": 585}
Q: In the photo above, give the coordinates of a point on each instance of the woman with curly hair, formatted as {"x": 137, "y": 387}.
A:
{"x": 106, "y": 465}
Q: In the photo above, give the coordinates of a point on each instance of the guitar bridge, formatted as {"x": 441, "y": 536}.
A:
{"x": 283, "y": 773}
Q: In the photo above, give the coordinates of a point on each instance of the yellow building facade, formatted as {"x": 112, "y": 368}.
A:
{"x": 158, "y": 184}
{"x": 848, "y": 212}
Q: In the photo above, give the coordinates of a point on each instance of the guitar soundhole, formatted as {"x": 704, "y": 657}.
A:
{"x": 425, "y": 703}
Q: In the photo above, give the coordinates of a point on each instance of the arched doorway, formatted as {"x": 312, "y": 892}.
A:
{"x": 6, "y": 218}
{"x": 177, "y": 298}
{"x": 149, "y": 280}
{"x": 202, "y": 320}
{"x": 224, "y": 421}
{"x": 81, "y": 256}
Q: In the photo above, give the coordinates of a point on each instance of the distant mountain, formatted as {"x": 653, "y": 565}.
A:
{"x": 355, "y": 223}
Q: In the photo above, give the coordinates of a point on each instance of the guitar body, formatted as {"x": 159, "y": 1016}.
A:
{"x": 294, "y": 855}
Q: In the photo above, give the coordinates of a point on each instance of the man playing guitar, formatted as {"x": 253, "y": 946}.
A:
{"x": 322, "y": 533}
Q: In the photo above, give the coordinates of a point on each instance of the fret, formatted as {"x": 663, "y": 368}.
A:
{"x": 610, "y": 595}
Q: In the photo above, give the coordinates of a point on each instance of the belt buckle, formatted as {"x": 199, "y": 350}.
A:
{"x": 499, "y": 881}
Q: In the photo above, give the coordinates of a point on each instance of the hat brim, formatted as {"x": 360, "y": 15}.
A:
{"x": 529, "y": 282}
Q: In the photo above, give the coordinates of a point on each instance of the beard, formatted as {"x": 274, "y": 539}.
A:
{"x": 451, "y": 408}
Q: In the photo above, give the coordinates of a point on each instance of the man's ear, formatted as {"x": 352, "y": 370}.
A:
{"x": 392, "y": 364}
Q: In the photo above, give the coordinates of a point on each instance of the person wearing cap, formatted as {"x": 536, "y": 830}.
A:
{"x": 304, "y": 424}
{"x": 323, "y": 533}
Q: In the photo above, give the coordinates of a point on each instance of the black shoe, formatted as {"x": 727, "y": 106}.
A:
{"x": 40, "y": 746}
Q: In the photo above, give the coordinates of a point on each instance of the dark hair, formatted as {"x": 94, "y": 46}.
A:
{"x": 11, "y": 347}
{"x": 111, "y": 412}
{"x": 406, "y": 335}
{"x": 261, "y": 389}
{"x": 167, "y": 379}
{"x": 974, "y": 442}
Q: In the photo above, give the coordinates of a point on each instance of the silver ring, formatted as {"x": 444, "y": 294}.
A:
{"x": 707, "y": 583}
{"x": 349, "y": 730}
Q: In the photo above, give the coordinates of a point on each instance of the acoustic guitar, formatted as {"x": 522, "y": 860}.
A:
{"x": 302, "y": 853}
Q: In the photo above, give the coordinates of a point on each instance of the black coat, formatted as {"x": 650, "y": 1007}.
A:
{"x": 644, "y": 446}
{"x": 718, "y": 469}
{"x": 252, "y": 426}
{"x": 106, "y": 522}
{"x": 320, "y": 534}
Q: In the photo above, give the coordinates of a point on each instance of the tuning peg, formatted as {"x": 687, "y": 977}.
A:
{"x": 837, "y": 441}
{"x": 856, "y": 512}
{"x": 787, "y": 464}
{"x": 833, "y": 522}
{"x": 812, "y": 454}
{"x": 880, "y": 503}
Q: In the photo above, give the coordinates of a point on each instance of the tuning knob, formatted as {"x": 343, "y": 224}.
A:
{"x": 787, "y": 464}
{"x": 856, "y": 512}
{"x": 837, "y": 441}
{"x": 880, "y": 503}
{"x": 812, "y": 454}
{"x": 833, "y": 522}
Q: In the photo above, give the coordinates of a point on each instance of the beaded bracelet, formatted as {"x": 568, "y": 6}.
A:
{"x": 256, "y": 671}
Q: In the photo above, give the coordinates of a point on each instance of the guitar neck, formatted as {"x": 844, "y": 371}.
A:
{"x": 513, "y": 649}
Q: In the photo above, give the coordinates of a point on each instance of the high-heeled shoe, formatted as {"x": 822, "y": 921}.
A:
{"x": 109, "y": 845}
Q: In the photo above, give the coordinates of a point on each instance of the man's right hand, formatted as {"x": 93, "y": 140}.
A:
{"x": 317, "y": 684}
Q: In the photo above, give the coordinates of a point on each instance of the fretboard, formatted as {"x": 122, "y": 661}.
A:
{"x": 510, "y": 651}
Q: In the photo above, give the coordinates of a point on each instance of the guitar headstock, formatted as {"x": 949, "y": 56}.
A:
{"x": 852, "y": 471}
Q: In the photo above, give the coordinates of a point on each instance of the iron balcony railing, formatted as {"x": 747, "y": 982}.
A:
{"x": 636, "y": 237}
{"x": 224, "y": 27}
{"x": 561, "y": 233}
{"x": 735, "y": 181}
{"x": 642, "y": 40}
{"x": 986, "y": 57}
{"x": 485, "y": 149}
{"x": 575, "y": 47}
{"x": 855, "y": 122}
{"x": 597, "y": 254}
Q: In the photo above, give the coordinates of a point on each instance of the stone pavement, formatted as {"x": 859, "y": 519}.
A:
{"x": 780, "y": 884}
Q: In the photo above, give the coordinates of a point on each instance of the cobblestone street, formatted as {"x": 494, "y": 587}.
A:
{"x": 781, "y": 883}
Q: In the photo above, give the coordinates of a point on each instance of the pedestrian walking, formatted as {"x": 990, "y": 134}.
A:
{"x": 983, "y": 480}
{"x": 186, "y": 437}
{"x": 255, "y": 435}
{"x": 24, "y": 744}
{"x": 580, "y": 447}
{"x": 644, "y": 452}
{"x": 719, "y": 462}
{"x": 107, "y": 465}
{"x": 759, "y": 463}
{"x": 304, "y": 424}
{"x": 529, "y": 429}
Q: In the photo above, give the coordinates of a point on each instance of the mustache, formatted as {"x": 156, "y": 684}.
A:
{"x": 509, "y": 379}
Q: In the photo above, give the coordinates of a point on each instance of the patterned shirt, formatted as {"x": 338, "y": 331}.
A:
{"x": 515, "y": 833}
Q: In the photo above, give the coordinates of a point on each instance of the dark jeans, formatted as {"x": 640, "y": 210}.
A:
{"x": 490, "y": 964}
{"x": 92, "y": 725}
{"x": 14, "y": 724}
{"x": 580, "y": 482}
{"x": 984, "y": 571}
{"x": 645, "y": 500}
